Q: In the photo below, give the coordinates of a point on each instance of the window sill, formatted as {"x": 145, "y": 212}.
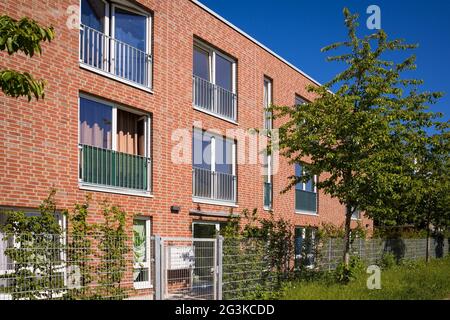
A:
{"x": 215, "y": 115}
{"x": 123, "y": 191}
{"x": 114, "y": 77}
{"x": 214, "y": 202}
{"x": 265, "y": 208}
{"x": 307, "y": 213}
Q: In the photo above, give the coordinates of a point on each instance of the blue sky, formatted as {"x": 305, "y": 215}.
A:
{"x": 298, "y": 29}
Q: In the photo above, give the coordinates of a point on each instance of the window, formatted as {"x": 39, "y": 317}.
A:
{"x": 114, "y": 146}
{"x": 356, "y": 215}
{"x": 268, "y": 192}
{"x": 214, "y": 166}
{"x": 115, "y": 40}
{"x": 305, "y": 193}
{"x": 299, "y": 100}
{"x": 141, "y": 252}
{"x": 304, "y": 246}
{"x": 206, "y": 230}
{"x": 267, "y": 102}
{"x": 214, "y": 82}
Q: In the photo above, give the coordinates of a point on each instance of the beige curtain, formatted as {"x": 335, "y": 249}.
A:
{"x": 130, "y": 133}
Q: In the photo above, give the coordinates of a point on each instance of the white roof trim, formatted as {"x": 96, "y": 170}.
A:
{"x": 254, "y": 40}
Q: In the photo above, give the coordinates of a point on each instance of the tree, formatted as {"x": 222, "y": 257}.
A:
{"x": 364, "y": 136}
{"x": 23, "y": 36}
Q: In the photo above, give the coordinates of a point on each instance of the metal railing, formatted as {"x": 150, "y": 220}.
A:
{"x": 305, "y": 201}
{"x": 213, "y": 185}
{"x": 104, "y": 53}
{"x": 214, "y": 99}
{"x": 267, "y": 195}
{"x": 105, "y": 167}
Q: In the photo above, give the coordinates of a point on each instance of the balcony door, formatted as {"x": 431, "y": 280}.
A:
{"x": 130, "y": 46}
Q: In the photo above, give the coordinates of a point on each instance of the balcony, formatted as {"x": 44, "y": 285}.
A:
{"x": 306, "y": 201}
{"x": 267, "y": 195}
{"x": 112, "y": 169}
{"x": 113, "y": 58}
{"x": 214, "y": 99}
{"x": 218, "y": 186}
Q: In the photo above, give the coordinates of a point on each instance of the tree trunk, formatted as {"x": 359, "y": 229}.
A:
{"x": 348, "y": 218}
{"x": 427, "y": 254}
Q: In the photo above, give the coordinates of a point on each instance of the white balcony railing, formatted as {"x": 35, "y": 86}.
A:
{"x": 106, "y": 54}
{"x": 213, "y": 98}
{"x": 213, "y": 185}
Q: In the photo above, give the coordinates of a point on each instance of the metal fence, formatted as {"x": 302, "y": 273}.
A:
{"x": 213, "y": 185}
{"x": 107, "y": 266}
{"x": 99, "y": 266}
{"x": 371, "y": 251}
{"x": 213, "y": 98}
{"x": 104, "y": 53}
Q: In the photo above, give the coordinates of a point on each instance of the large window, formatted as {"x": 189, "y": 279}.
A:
{"x": 115, "y": 40}
{"x": 141, "y": 252}
{"x": 305, "y": 193}
{"x": 214, "y": 82}
{"x": 214, "y": 166}
{"x": 114, "y": 146}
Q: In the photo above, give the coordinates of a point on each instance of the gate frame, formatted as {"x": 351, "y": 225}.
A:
{"x": 160, "y": 267}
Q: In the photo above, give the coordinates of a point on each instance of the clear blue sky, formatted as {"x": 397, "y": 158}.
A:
{"x": 298, "y": 29}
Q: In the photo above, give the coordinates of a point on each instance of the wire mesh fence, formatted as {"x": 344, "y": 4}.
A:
{"x": 108, "y": 266}
{"x": 371, "y": 251}
{"x": 99, "y": 266}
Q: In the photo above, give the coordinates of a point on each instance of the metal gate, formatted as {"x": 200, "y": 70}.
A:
{"x": 188, "y": 268}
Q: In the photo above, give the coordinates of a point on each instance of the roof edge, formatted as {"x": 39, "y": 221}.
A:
{"x": 215, "y": 14}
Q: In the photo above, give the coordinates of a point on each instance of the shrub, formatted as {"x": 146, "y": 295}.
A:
{"x": 388, "y": 260}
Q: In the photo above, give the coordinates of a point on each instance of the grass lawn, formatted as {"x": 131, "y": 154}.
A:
{"x": 410, "y": 281}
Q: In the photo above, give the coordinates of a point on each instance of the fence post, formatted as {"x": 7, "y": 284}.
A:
{"x": 158, "y": 270}
{"x": 330, "y": 244}
{"x": 219, "y": 272}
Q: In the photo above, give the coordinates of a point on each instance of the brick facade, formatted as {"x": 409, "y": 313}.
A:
{"x": 39, "y": 140}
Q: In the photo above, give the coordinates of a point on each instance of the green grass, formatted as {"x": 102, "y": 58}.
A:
{"x": 410, "y": 281}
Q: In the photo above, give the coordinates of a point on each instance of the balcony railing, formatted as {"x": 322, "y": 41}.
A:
{"x": 104, "y": 167}
{"x": 213, "y": 185}
{"x": 214, "y": 99}
{"x": 267, "y": 195}
{"x": 305, "y": 201}
{"x": 106, "y": 54}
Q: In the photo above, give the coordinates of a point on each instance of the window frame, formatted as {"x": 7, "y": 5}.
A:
{"x": 212, "y": 169}
{"x": 114, "y": 145}
{"x": 212, "y": 53}
{"x": 303, "y": 188}
{"x": 144, "y": 284}
{"x": 109, "y": 31}
{"x": 269, "y": 89}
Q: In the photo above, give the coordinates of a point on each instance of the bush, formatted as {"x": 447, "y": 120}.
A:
{"x": 345, "y": 274}
{"x": 387, "y": 261}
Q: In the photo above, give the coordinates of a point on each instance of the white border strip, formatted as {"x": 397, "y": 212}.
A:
{"x": 201, "y": 5}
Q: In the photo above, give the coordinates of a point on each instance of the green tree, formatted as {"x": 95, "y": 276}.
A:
{"x": 26, "y": 36}
{"x": 365, "y": 134}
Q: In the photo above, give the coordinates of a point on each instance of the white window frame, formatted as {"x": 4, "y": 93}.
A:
{"x": 213, "y": 165}
{"x": 147, "y": 134}
{"x": 147, "y": 265}
{"x": 269, "y": 89}
{"x": 269, "y": 179}
{"x": 308, "y": 213}
{"x": 212, "y": 53}
{"x": 109, "y": 28}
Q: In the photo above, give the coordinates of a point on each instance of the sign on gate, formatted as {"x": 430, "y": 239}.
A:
{"x": 180, "y": 257}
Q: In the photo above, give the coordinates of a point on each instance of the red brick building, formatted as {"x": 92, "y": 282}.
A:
{"x": 124, "y": 89}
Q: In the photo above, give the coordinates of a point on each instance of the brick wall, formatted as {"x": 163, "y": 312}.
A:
{"x": 39, "y": 140}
